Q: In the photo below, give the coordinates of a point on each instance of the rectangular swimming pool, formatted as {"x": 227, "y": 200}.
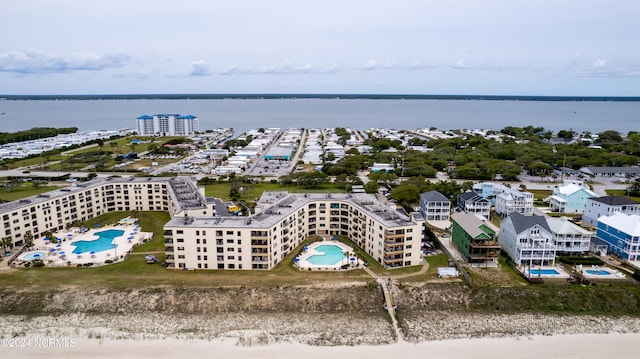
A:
{"x": 543, "y": 272}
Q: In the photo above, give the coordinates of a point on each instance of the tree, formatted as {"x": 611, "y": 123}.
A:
{"x": 406, "y": 193}
{"x": 565, "y": 134}
{"x": 371, "y": 187}
{"x": 609, "y": 136}
{"x": 28, "y": 239}
{"x": 6, "y": 242}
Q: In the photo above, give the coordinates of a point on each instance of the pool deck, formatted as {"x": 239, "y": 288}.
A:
{"x": 61, "y": 254}
{"x": 613, "y": 273}
{"x": 304, "y": 264}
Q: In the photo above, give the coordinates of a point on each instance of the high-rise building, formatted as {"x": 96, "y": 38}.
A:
{"x": 167, "y": 125}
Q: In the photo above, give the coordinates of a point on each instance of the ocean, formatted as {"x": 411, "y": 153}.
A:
{"x": 359, "y": 113}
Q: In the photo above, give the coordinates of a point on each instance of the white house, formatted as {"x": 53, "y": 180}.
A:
{"x": 528, "y": 240}
{"x": 607, "y": 205}
{"x": 511, "y": 200}
{"x": 434, "y": 206}
{"x": 471, "y": 202}
{"x": 568, "y": 237}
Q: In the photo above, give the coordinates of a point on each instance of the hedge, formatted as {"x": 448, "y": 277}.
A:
{"x": 580, "y": 260}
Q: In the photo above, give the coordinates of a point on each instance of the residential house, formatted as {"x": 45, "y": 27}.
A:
{"x": 570, "y": 198}
{"x": 471, "y": 202}
{"x": 608, "y": 205}
{"x": 527, "y": 240}
{"x": 475, "y": 238}
{"x": 512, "y": 200}
{"x": 568, "y": 237}
{"x": 621, "y": 232}
{"x": 434, "y": 206}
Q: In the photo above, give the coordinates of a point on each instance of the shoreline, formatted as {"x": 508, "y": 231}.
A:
{"x": 560, "y": 346}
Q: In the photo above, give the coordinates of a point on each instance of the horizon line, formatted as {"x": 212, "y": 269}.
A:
{"x": 398, "y": 96}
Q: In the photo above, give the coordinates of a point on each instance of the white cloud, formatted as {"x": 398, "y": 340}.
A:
{"x": 199, "y": 68}
{"x": 284, "y": 68}
{"x": 580, "y": 66}
{"x": 370, "y": 65}
{"x": 35, "y": 61}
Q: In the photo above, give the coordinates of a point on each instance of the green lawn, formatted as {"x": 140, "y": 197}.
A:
{"x": 621, "y": 192}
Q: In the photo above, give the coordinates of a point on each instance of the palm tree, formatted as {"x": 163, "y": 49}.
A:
{"x": 6, "y": 242}
{"x": 28, "y": 239}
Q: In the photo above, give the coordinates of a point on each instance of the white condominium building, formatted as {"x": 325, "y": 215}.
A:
{"x": 56, "y": 210}
{"x": 282, "y": 221}
{"x": 167, "y": 125}
{"x": 197, "y": 237}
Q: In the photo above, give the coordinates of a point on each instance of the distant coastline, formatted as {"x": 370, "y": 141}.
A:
{"x": 315, "y": 96}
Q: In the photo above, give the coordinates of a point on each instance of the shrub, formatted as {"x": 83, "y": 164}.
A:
{"x": 636, "y": 274}
{"x": 38, "y": 263}
{"x": 580, "y": 260}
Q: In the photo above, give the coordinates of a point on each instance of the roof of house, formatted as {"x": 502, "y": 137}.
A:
{"x": 471, "y": 196}
{"x": 562, "y": 225}
{"x": 615, "y": 200}
{"x": 471, "y": 224}
{"x": 571, "y": 188}
{"x": 522, "y": 223}
{"x": 627, "y": 223}
{"x": 595, "y": 169}
{"x": 433, "y": 196}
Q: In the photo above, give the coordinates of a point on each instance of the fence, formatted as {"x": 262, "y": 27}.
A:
{"x": 458, "y": 265}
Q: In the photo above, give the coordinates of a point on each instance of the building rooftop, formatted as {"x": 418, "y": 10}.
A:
{"x": 615, "y": 200}
{"x": 274, "y": 206}
{"x": 562, "y": 225}
{"x": 433, "y": 196}
{"x": 572, "y": 188}
{"x": 522, "y": 223}
{"x": 472, "y": 224}
{"x": 627, "y": 223}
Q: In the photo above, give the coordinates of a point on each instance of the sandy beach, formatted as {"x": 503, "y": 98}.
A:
{"x": 562, "y": 346}
{"x": 309, "y": 321}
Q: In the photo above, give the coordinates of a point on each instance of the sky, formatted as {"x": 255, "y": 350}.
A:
{"x": 488, "y": 47}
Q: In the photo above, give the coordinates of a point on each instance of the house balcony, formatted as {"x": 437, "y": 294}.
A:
{"x": 169, "y": 249}
{"x": 259, "y": 242}
{"x": 170, "y": 258}
{"x": 548, "y": 256}
{"x": 393, "y": 259}
{"x": 394, "y": 234}
{"x": 168, "y": 241}
{"x": 392, "y": 251}
{"x": 537, "y": 246}
{"x": 397, "y": 242}
{"x": 485, "y": 245}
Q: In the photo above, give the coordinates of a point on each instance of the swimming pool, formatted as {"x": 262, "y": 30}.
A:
{"x": 543, "y": 272}
{"x": 333, "y": 254}
{"x": 29, "y": 256}
{"x": 597, "y": 272}
{"x": 103, "y": 242}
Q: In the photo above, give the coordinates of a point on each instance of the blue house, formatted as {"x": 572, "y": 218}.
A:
{"x": 570, "y": 198}
{"x": 621, "y": 233}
